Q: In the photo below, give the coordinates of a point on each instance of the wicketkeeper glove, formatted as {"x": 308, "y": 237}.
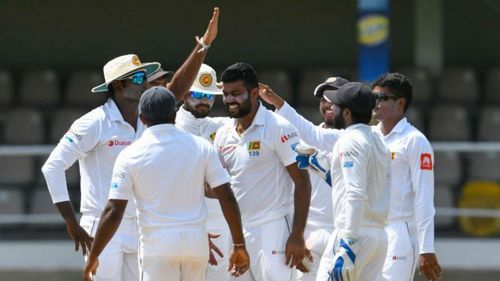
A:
{"x": 318, "y": 161}
{"x": 344, "y": 262}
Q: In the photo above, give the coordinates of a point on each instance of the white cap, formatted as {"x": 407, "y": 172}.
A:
{"x": 206, "y": 81}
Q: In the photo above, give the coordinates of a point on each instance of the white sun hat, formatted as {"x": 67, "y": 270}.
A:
{"x": 123, "y": 66}
{"x": 206, "y": 81}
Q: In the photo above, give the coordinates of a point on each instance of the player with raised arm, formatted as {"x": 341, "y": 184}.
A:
{"x": 360, "y": 191}
{"x": 96, "y": 139}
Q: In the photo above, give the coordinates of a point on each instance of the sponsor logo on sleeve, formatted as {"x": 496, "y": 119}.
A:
{"x": 120, "y": 175}
{"x": 348, "y": 164}
{"x": 425, "y": 161}
{"x": 284, "y": 138}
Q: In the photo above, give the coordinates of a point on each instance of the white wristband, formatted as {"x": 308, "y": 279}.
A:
{"x": 204, "y": 46}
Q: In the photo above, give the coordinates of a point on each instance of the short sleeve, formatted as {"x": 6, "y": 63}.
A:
{"x": 286, "y": 139}
{"x": 121, "y": 181}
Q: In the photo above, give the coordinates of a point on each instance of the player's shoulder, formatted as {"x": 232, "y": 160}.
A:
{"x": 90, "y": 120}
{"x": 412, "y": 134}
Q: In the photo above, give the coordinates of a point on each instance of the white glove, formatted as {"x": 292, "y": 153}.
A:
{"x": 318, "y": 161}
{"x": 344, "y": 262}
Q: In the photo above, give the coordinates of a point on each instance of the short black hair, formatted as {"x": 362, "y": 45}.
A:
{"x": 241, "y": 71}
{"x": 398, "y": 85}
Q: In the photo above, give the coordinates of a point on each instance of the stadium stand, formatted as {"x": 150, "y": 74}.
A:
{"x": 414, "y": 116}
{"x": 449, "y": 123}
{"x": 78, "y": 92}
{"x": 279, "y": 81}
{"x": 459, "y": 85}
{"x": 311, "y": 113}
{"x": 448, "y": 168}
{"x": 492, "y": 86}
{"x": 11, "y": 201}
{"x": 423, "y": 86}
{"x": 5, "y": 89}
{"x": 443, "y": 197}
{"x": 40, "y": 88}
{"x": 41, "y": 203}
{"x": 309, "y": 80}
{"x": 489, "y": 124}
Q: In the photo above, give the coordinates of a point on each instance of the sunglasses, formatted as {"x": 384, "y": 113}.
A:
{"x": 137, "y": 78}
{"x": 201, "y": 95}
{"x": 384, "y": 97}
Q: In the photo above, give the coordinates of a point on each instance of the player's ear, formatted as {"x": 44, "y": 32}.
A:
{"x": 254, "y": 93}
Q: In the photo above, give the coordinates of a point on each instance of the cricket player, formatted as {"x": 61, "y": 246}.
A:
{"x": 193, "y": 118}
{"x": 410, "y": 226}
{"x": 160, "y": 78}
{"x": 360, "y": 191}
{"x": 96, "y": 139}
{"x": 319, "y": 225}
{"x": 257, "y": 150}
{"x": 164, "y": 173}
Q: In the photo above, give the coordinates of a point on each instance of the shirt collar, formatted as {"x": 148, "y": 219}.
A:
{"x": 185, "y": 116}
{"x": 160, "y": 129}
{"x": 356, "y": 126}
{"x": 400, "y": 126}
{"x": 112, "y": 109}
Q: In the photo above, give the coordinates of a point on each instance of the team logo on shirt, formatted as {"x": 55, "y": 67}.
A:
{"x": 253, "y": 148}
{"x": 119, "y": 143}
{"x": 284, "y": 138}
{"x": 212, "y": 136}
{"x": 425, "y": 161}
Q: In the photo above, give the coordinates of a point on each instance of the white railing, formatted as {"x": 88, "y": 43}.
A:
{"x": 461, "y": 147}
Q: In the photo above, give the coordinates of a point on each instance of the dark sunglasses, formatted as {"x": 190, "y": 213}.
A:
{"x": 384, "y": 96}
{"x": 137, "y": 78}
{"x": 201, "y": 95}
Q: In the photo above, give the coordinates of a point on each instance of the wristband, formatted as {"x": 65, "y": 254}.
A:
{"x": 239, "y": 245}
{"x": 204, "y": 46}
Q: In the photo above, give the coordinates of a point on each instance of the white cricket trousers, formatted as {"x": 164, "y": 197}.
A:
{"x": 119, "y": 260}
{"x": 174, "y": 254}
{"x": 224, "y": 243}
{"x": 402, "y": 251}
{"x": 266, "y": 244}
{"x": 316, "y": 241}
{"x": 372, "y": 249}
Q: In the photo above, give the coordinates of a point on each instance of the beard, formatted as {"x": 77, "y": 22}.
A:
{"x": 243, "y": 109}
{"x": 198, "y": 111}
{"x": 339, "y": 122}
{"x": 329, "y": 123}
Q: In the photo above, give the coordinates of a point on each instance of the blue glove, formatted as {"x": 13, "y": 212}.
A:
{"x": 318, "y": 161}
{"x": 344, "y": 262}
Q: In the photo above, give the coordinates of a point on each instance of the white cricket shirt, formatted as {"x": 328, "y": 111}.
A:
{"x": 256, "y": 161}
{"x": 412, "y": 195}
{"x": 205, "y": 128}
{"x": 95, "y": 140}
{"x": 360, "y": 180}
{"x": 164, "y": 171}
{"x": 320, "y": 210}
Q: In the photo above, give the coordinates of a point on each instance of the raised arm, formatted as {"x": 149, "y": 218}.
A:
{"x": 313, "y": 135}
{"x": 185, "y": 75}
